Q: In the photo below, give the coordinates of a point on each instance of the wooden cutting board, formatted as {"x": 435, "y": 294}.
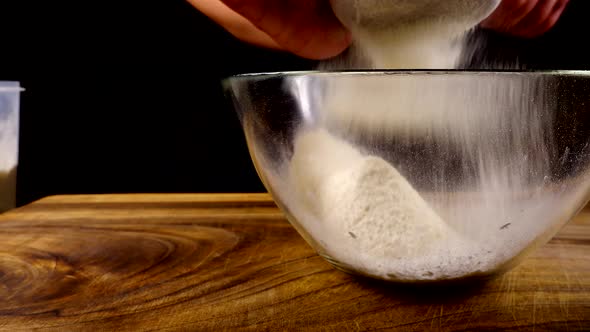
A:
{"x": 232, "y": 262}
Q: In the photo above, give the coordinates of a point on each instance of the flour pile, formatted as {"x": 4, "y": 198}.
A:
{"x": 363, "y": 197}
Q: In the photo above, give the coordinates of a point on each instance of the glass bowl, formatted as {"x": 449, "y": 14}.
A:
{"x": 420, "y": 176}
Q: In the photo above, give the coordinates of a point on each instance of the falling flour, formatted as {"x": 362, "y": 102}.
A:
{"x": 363, "y": 211}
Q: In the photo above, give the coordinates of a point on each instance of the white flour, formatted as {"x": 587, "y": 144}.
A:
{"x": 365, "y": 214}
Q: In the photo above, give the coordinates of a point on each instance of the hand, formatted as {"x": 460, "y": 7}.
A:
{"x": 307, "y": 28}
{"x": 310, "y": 29}
{"x": 525, "y": 18}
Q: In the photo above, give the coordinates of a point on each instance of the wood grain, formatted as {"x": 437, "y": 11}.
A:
{"x": 232, "y": 262}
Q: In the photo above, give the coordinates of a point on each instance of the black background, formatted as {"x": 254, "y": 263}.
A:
{"x": 125, "y": 96}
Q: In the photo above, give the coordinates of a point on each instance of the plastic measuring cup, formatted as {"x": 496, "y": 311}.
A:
{"x": 9, "y": 134}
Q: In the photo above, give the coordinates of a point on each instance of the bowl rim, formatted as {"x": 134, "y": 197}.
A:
{"x": 417, "y": 72}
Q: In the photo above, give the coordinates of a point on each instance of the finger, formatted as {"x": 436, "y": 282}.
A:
{"x": 307, "y": 28}
{"x": 526, "y": 27}
{"x": 552, "y": 20}
{"x": 234, "y": 23}
{"x": 533, "y": 25}
{"x": 508, "y": 14}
